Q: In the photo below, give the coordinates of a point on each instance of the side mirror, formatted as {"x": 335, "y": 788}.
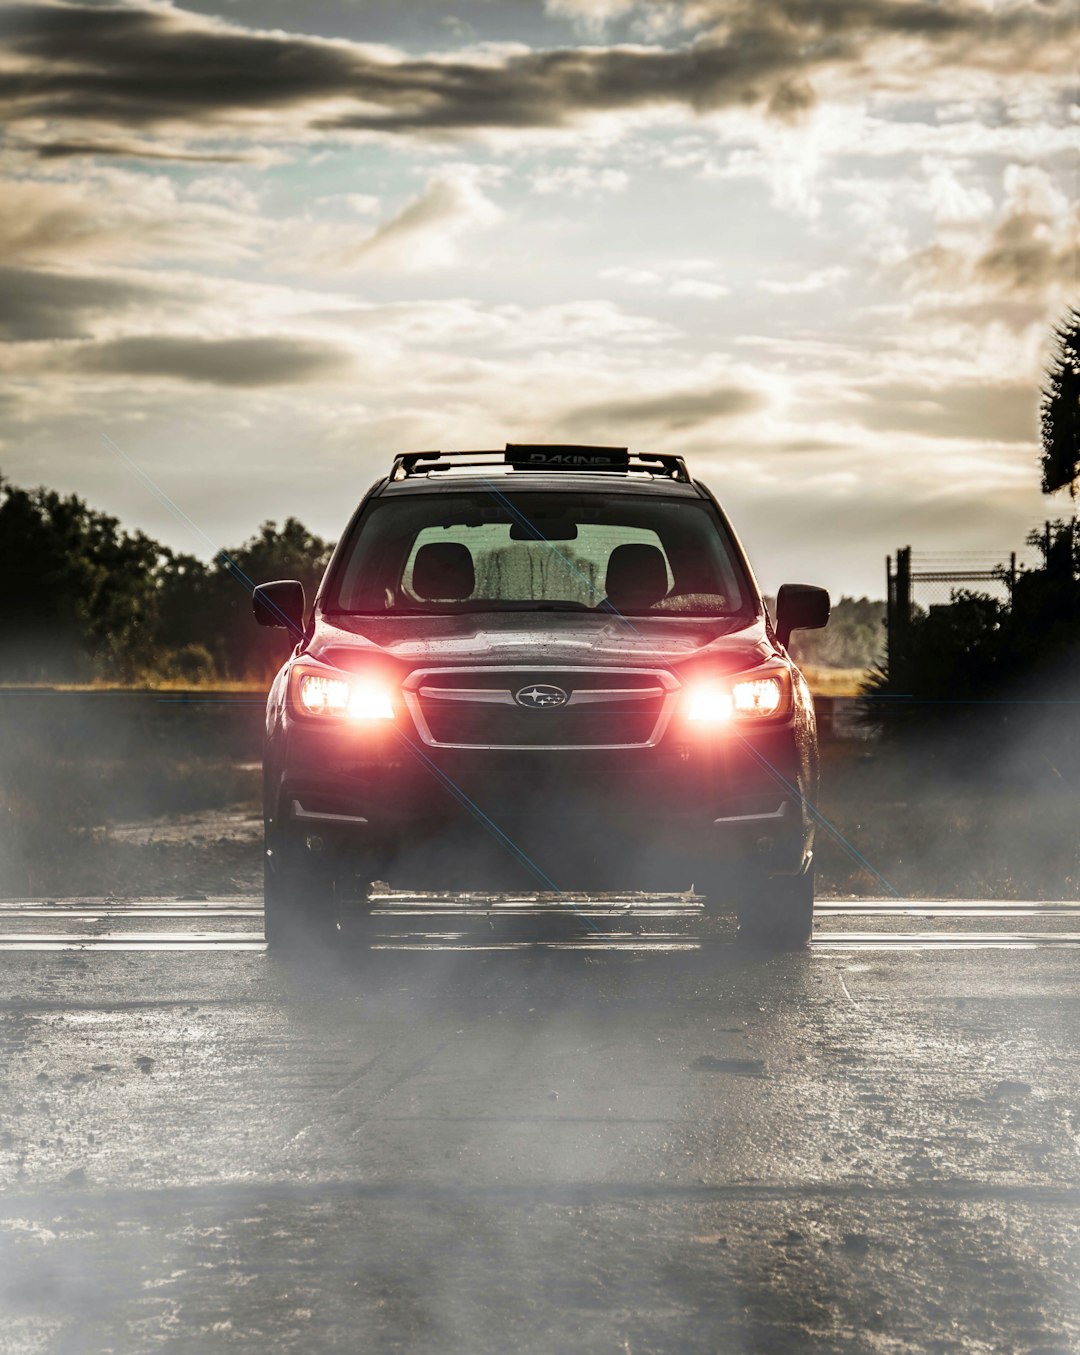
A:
{"x": 280, "y": 604}
{"x": 800, "y": 606}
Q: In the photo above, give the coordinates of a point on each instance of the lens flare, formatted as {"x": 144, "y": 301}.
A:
{"x": 370, "y": 702}
{"x": 710, "y": 705}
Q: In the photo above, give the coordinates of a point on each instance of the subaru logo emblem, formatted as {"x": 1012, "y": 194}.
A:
{"x": 540, "y": 694}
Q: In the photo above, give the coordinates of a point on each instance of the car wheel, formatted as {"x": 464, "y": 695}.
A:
{"x": 779, "y": 912}
{"x": 299, "y": 906}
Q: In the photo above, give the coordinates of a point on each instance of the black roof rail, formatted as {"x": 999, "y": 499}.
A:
{"x": 562, "y": 457}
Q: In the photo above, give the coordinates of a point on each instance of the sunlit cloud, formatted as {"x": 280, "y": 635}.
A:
{"x": 817, "y": 249}
{"x": 820, "y": 280}
{"x": 116, "y": 215}
{"x": 429, "y": 231}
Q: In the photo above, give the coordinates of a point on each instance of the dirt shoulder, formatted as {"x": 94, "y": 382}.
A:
{"x": 208, "y": 852}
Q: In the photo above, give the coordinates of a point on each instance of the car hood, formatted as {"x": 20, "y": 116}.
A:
{"x": 524, "y": 638}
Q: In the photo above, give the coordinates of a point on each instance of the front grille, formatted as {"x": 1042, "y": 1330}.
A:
{"x": 478, "y": 707}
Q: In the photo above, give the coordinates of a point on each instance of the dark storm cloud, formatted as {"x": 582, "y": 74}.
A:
{"x": 131, "y": 150}
{"x": 245, "y": 362}
{"x": 146, "y": 67}
{"x": 672, "y": 413}
{"x": 36, "y": 304}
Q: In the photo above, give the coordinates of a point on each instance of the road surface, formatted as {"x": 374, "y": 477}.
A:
{"x": 621, "y": 1138}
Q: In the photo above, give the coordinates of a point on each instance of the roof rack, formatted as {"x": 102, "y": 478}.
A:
{"x": 543, "y": 457}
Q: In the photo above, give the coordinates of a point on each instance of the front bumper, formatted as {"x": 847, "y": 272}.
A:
{"x": 728, "y": 800}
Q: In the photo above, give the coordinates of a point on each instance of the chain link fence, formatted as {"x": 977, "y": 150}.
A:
{"x": 917, "y": 582}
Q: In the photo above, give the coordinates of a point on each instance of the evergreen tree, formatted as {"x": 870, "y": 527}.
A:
{"x": 1060, "y": 409}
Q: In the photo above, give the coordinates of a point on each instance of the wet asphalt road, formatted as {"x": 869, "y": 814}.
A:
{"x": 623, "y": 1140}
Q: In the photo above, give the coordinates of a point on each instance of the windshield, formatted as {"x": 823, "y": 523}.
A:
{"x": 481, "y": 551}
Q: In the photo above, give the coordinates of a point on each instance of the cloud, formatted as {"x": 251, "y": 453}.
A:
{"x": 429, "y": 231}
{"x": 136, "y": 149}
{"x": 230, "y": 190}
{"x": 1037, "y": 241}
{"x": 114, "y": 215}
{"x": 673, "y": 276}
{"x": 949, "y": 199}
{"x": 1032, "y": 249}
{"x": 41, "y": 305}
{"x": 592, "y": 15}
{"x": 356, "y": 204}
{"x": 154, "y": 67}
{"x": 243, "y": 362}
{"x": 633, "y": 277}
{"x": 674, "y": 411}
{"x": 698, "y": 290}
{"x": 1002, "y": 412}
{"x": 580, "y": 324}
{"x": 577, "y": 180}
{"x": 1026, "y": 255}
{"x": 818, "y": 281}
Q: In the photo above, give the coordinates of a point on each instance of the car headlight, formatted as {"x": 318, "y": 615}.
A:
{"x": 328, "y": 695}
{"x": 722, "y": 701}
{"x": 759, "y": 696}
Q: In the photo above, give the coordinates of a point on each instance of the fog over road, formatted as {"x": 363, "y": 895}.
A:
{"x": 623, "y": 1140}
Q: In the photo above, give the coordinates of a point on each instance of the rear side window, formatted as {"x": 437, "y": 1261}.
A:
{"x": 494, "y": 551}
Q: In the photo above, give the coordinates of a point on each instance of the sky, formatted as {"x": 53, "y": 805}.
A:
{"x": 815, "y": 246}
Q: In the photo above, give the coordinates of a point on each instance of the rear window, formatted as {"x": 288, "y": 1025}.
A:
{"x": 444, "y": 553}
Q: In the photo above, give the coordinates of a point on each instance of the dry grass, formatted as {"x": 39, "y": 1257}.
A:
{"x": 56, "y": 811}
{"x": 931, "y": 829}
{"x": 835, "y": 681}
{"x": 246, "y": 688}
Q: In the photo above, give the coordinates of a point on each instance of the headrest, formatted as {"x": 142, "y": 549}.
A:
{"x": 636, "y": 575}
{"x": 443, "y": 570}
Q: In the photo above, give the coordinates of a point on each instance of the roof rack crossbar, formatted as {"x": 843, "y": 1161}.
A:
{"x": 408, "y": 464}
{"x": 673, "y": 465}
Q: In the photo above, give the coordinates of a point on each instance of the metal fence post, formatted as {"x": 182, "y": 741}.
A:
{"x": 901, "y": 608}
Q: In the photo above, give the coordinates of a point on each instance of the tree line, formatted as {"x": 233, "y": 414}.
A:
{"x": 83, "y": 599}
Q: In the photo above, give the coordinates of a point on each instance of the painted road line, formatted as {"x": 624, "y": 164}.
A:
{"x": 99, "y": 938}
{"x": 90, "y": 943}
{"x": 945, "y": 907}
{"x": 944, "y": 940}
{"x": 97, "y": 914}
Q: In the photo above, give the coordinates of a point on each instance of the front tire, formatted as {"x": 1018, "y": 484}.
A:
{"x": 778, "y": 913}
{"x": 299, "y": 906}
